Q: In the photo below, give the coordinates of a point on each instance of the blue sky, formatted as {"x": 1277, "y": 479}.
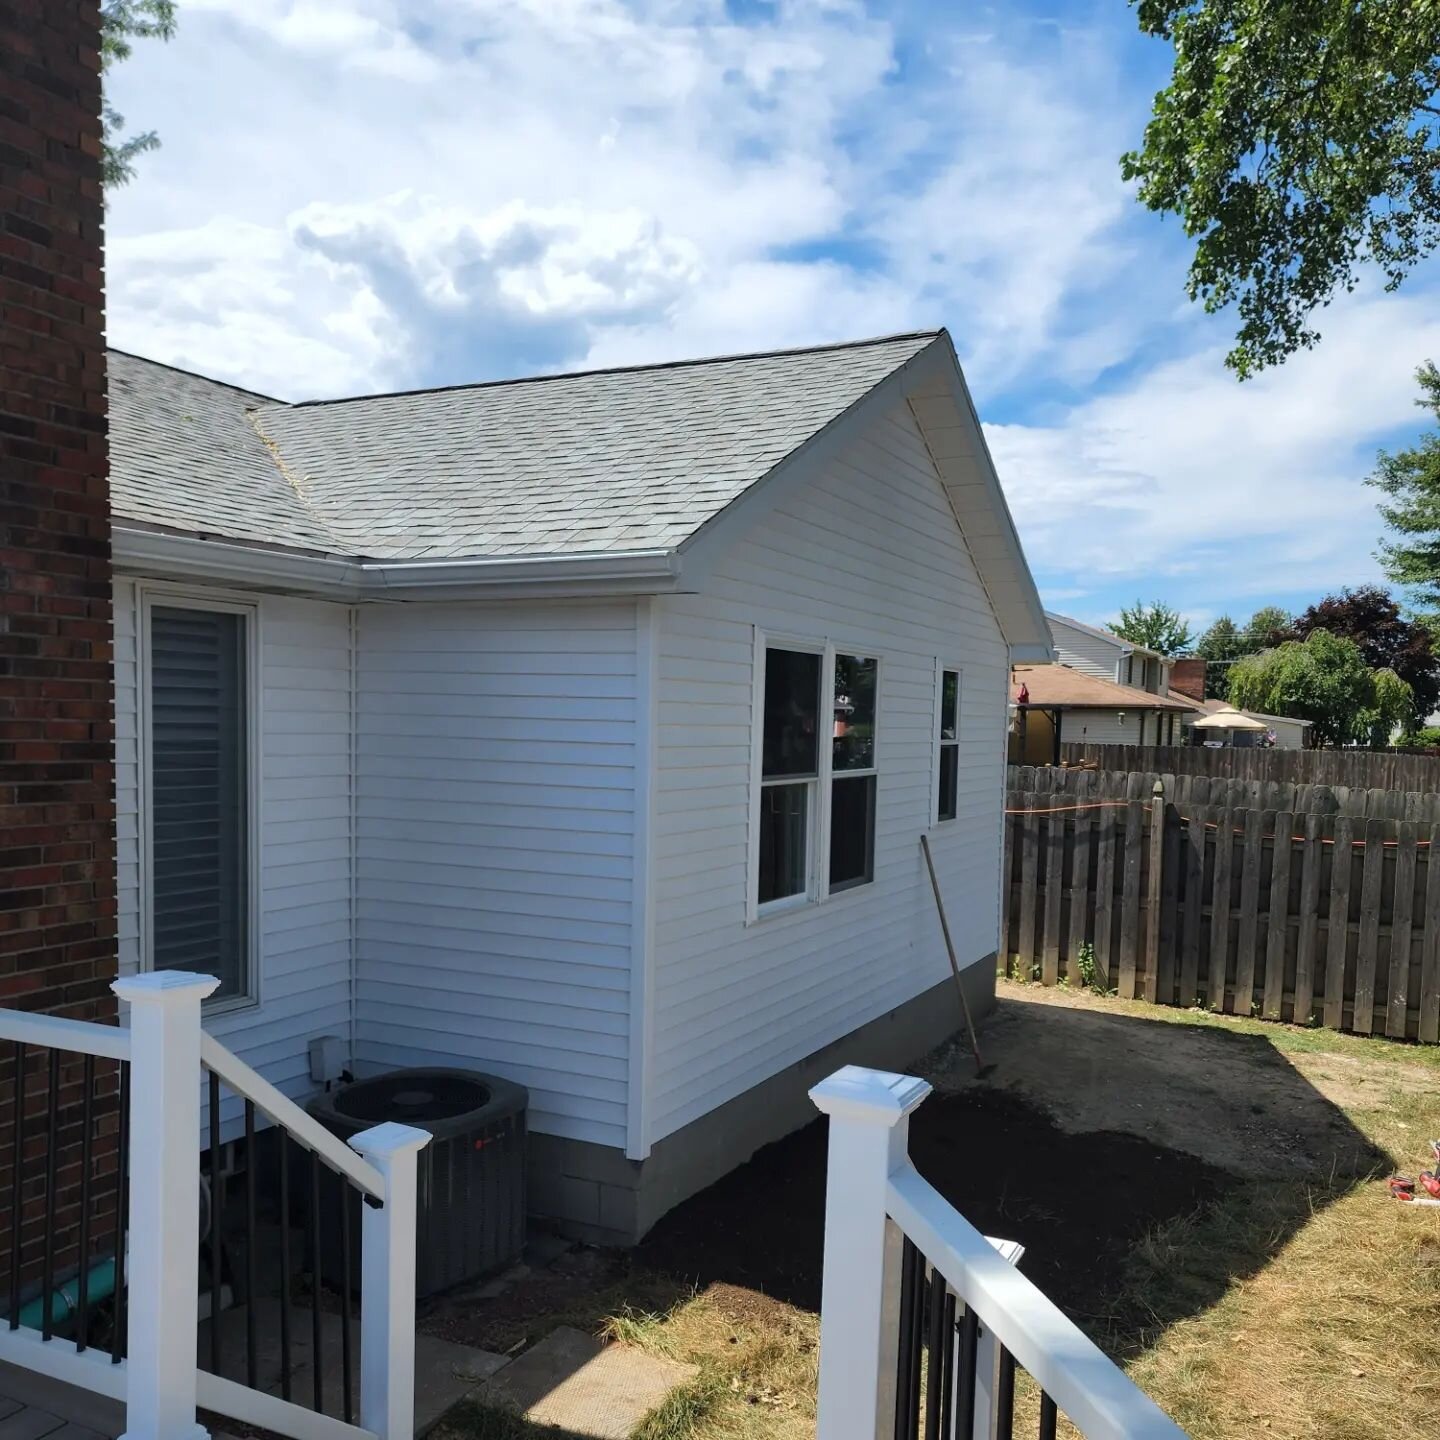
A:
{"x": 373, "y": 194}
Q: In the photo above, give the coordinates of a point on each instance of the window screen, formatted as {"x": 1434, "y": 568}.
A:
{"x": 198, "y": 784}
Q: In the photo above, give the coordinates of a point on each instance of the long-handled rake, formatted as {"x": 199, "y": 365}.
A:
{"x": 981, "y": 1069}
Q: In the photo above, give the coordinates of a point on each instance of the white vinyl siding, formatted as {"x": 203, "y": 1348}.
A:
{"x": 496, "y": 760}
{"x": 1091, "y": 654}
{"x": 303, "y": 949}
{"x": 867, "y": 557}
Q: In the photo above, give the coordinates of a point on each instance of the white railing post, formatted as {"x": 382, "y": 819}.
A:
{"x": 387, "y": 1283}
{"x": 164, "y": 1262}
{"x": 860, "y": 1298}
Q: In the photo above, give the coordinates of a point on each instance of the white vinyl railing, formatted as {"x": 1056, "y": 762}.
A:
{"x": 875, "y": 1200}
{"x": 158, "y": 1378}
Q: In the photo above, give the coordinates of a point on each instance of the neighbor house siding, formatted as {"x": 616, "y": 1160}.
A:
{"x": 303, "y": 949}
{"x": 496, "y": 762}
{"x": 1088, "y": 653}
{"x": 1103, "y": 727}
{"x": 868, "y": 555}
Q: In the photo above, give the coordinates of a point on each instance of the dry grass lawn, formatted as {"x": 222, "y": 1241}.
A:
{"x": 1302, "y": 1302}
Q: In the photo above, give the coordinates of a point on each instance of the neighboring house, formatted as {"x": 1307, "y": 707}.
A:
{"x": 1188, "y": 684}
{"x": 1066, "y": 706}
{"x": 581, "y": 729}
{"x": 1109, "y": 657}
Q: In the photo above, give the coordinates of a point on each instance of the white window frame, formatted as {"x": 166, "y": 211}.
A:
{"x": 942, "y": 668}
{"x": 818, "y": 816}
{"x": 149, "y": 594}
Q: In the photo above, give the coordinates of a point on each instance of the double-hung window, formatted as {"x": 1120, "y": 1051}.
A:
{"x": 818, "y": 777}
{"x": 198, "y": 876}
{"x": 947, "y": 746}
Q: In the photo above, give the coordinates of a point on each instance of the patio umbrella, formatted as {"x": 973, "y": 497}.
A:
{"x": 1230, "y": 719}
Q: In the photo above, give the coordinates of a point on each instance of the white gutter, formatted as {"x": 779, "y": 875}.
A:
{"x": 161, "y": 554}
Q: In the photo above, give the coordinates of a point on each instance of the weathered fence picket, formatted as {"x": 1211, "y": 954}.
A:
{"x": 1285, "y": 905}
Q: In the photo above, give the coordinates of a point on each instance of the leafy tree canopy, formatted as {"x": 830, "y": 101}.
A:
{"x": 1323, "y": 679}
{"x": 1410, "y": 481}
{"x": 121, "y": 23}
{"x": 1298, "y": 141}
{"x": 1224, "y": 642}
{"x": 1387, "y": 640}
{"x": 1155, "y": 626}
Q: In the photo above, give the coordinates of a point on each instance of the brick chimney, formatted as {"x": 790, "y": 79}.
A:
{"x": 57, "y": 814}
{"x": 1188, "y": 678}
{"x": 57, "y": 810}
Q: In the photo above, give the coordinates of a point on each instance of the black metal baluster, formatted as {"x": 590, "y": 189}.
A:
{"x": 315, "y": 1357}
{"x": 122, "y": 1215}
{"x": 347, "y": 1377}
{"x": 908, "y": 1341}
{"x": 52, "y": 1170}
{"x": 285, "y": 1279}
{"x": 251, "y": 1338}
{"x": 1049, "y": 1416}
{"x": 217, "y": 1186}
{"x": 1005, "y": 1397}
{"x": 947, "y": 1383}
{"x": 935, "y": 1339}
{"x": 82, "y": 1284}
{"x": 17, "y": 1156}
{"x": 965, "y": 1363}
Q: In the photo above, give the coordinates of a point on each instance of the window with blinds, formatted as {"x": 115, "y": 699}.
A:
{"x": 199, "y": 844}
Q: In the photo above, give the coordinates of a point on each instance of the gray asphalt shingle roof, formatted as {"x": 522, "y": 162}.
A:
{"x": 582, "y": 464}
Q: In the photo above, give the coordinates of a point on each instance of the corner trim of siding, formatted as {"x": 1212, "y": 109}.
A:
{"x": 642, "y": 907}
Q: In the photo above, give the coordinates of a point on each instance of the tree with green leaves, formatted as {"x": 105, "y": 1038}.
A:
{"x": 1224, "y": 642}
{"x": 121, "y": 23}
{"x": 1323, "y": 679}
{"x": 1156, "y": 626}
{"x": 1298, "y": 142}
{"x": 1410, "y": 481}
{"x": 1388, "y": 640}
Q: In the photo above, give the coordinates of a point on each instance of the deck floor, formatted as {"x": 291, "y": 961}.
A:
{"x": 37, "y": 1407}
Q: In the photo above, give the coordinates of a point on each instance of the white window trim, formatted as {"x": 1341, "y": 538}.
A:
{"x": 148, "y": 594}
{"x": 941, "y": 666}
{"x": 817, "y": 826}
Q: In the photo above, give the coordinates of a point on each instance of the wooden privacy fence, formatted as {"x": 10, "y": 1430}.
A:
{"x": 1235, "y": 793}
{"x": 1312, "y": 918}
{"x": 1365, "y": 769}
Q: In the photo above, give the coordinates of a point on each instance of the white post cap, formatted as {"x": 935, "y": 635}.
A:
{"x": 876, "y": 1097}
{"x": 381, "y": 1142}
{"x": 164, "y": 985}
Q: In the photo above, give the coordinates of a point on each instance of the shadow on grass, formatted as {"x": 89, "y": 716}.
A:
{"x": 1127, "y": 1235}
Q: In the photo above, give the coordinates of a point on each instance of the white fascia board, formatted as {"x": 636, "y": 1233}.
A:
{"x": 164, "y": 555}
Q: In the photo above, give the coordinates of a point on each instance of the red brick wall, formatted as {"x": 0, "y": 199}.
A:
{"x": 57, "y": 818}
{"x": 57, "y": 847}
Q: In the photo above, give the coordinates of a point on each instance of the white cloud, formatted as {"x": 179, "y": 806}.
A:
{"x": 1204, "y": 488}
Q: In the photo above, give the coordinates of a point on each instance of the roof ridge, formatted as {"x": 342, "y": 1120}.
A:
{"x": 622, "y": 369}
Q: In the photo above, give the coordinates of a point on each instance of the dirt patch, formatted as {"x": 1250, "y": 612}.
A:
{"x": 1076, "y": 1202}
{"x": 1225, "y": 1096}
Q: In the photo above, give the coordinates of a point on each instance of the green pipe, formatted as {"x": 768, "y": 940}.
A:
{"x": 66, "y": 1298}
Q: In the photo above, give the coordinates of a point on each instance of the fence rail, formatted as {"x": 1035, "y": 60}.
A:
{"x": 1307, "y": 917}
{"x": 1362, "y": 769}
